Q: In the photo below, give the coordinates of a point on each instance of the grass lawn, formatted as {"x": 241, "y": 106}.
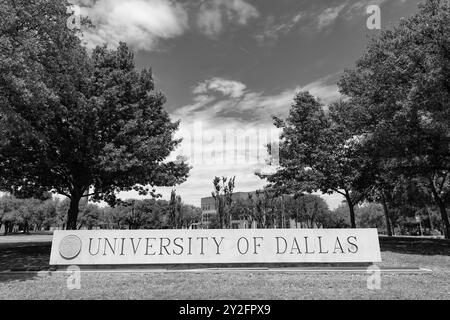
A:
{"x": 230, "y": 284}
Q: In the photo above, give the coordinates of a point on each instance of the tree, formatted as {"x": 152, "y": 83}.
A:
{"x": 410, "y": 199}
{"x": 400, "y": 90}
{"x": 147, "y": 214}
{"x": 26, "y": 214}
{"x": 111, "y": 218}
{"x": 152, "y": 213}
{"x": 311, "y": 210}
{"x": 8, "y": 212}
{"x": 71, "y": 121}
{"x": 89, "y": 216}
{"x": 62, "y": 207}
{"x": 34, "y": 45}
{"x": 318, "y": 153}
{"x": 135, "y": 213}
{"x": 242, "y": 209}
{"x": 258, "y": 215}
{"x": 175, "y": 211}
{"x": 26, "y": 210}
{"x": 371, "y": 215}
{"x": 339, "y": 217}
{"x": 190, "y": 214}
{"x": 45, "y": 215}
{"x": 222, "y": 194}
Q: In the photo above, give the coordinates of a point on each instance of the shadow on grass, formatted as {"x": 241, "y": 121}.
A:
{"x": 17, "y": 276}
{"x": 24, "y": 260}
{"x": 410, "y": 245}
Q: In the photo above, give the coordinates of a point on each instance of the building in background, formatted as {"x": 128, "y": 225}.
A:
{"x": 208, "y": 206}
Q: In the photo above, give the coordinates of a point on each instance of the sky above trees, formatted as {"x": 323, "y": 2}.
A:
{"x": 232, "y": 64}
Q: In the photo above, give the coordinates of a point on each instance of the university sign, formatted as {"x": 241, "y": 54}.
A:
{"x": 147, "y": 247}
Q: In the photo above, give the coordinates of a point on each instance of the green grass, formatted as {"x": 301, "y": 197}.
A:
{"x": 230, "y": 284}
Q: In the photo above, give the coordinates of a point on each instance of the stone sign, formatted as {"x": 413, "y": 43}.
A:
{"x": 133, "y": 247}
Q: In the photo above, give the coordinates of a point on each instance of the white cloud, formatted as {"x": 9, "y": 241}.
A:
{"x": 358, "y": 8}
{"x": 328, "y": 16}
{"x": 217, "y": 98}
{"x": 273, "y": 30}
{"x": 321, "y": 19}
{"x": 348, "y": 10}
{"x": 216, "y": 104}
{"x": 208, "y": 107}
{"x": 213, "y": 14}
{"x": 325, "y": 89}
{"x": 140, "y": 23}
{"x": 234, "y": 89}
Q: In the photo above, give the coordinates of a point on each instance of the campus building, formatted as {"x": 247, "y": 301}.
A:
{"x": 208, "y": 206}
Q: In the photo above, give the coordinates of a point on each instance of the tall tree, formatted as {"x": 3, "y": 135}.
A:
{"x": 222, "y": 194}
{"x": 175, "y": 211}
{"x": 242, "y": 209}
{"x": 71, "y": 121}
{"x": 317, "y": 153}
{"x": 311, "y": 210}
{"x": 401, "y": 87}
{"x": 190, "y": 215}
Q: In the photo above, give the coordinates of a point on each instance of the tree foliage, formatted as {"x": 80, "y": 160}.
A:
{"x": 400, "y": 98}
{"x": 318, "y": 153}
{"x": 72, "y": 121}
{"x": 175, "y": 212}
{"x": 222, "y": 194}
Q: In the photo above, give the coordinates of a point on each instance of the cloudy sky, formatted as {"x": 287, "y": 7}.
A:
{"x": 227, "y": 66}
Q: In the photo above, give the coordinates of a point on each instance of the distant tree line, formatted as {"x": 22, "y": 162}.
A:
{"x": 405, "y": 222}
{"x": 264, "y": 209}
{"x": 31, "y": 214}
{"x": 268, "y": 209}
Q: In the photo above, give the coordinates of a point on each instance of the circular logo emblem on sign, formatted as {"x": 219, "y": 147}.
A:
{"x": 70, "y": 247}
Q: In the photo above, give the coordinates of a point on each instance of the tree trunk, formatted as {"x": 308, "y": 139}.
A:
{"x": 26, "y": 228}
{"x": 72, "y": 214}
{"x": 442, "y": 209}
{"x": 429, "y": 218}
{"x": 6, "y": 228}
{"x": 445, "y": 221}
{"x": 351, "y": 207}
{"x": 352, "y": 216}
{"x": 386, "y": 215}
